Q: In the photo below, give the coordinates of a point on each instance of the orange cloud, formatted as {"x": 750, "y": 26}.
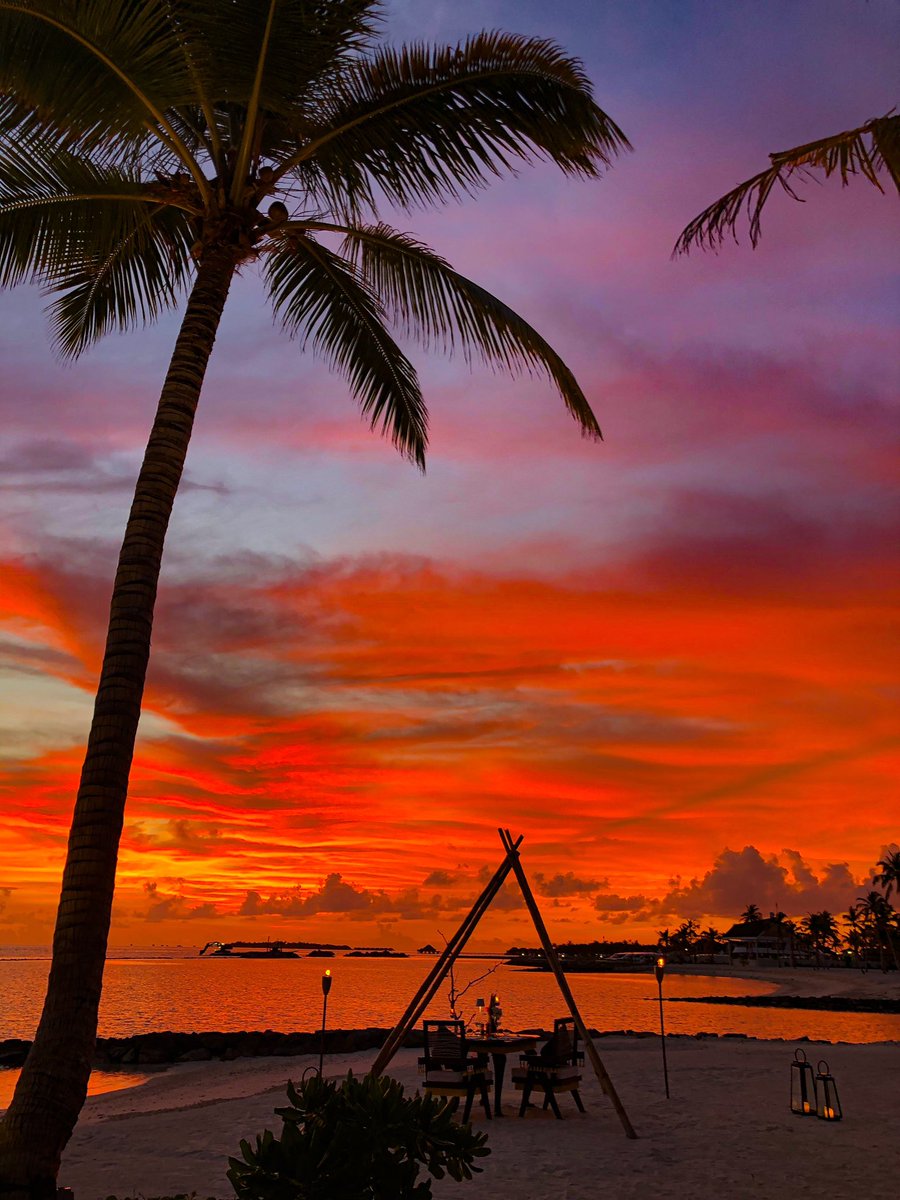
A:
{"x": 378, "y": 720}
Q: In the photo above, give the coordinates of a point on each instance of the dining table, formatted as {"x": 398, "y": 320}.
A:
{"x": 499, "y": 1046}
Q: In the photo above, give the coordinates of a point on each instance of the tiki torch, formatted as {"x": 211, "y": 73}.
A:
{"x": 660, "y": 970}
{"x": 326, "y": 988}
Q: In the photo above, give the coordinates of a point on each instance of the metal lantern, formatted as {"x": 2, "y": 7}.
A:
{"x": 803, "y": 1086}
{"x": 828, "y": 1107}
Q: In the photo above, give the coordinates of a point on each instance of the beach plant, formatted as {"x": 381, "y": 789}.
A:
{"x": 152, "y": 149}
{"x": 356, "y": 1139}
{"x": 870, "y": 150}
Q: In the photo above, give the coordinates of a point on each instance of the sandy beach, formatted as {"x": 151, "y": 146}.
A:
{"x": 807, "y": 981}
{"x": 726, "y": 1131}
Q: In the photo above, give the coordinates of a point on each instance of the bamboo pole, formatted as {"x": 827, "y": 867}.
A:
{"x": 436, "y": 975}
{"x": 433, "y": 981}
{"x": 550, "y": 953}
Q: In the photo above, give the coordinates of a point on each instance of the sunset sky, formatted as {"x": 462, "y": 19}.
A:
{"x": 669, "y": 660}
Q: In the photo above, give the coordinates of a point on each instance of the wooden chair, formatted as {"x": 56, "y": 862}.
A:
{"x": 557, "y": 1068}
{"x": 451, "y": 1069}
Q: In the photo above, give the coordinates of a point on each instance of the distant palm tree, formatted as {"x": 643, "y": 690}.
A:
{"x": 877, "y": 915}
{"x": 751, "y": 913}
{"x": 822, "y": 930}
{"x": 854, "y": 934}
{"x": 785, "y": 932}
{"x": 867, "y": 150}
{"x": 889, "y": 876}
{"x": 685, "y": 936}
{"x": 709, "y": 941}
{"x": 154, "y": 147}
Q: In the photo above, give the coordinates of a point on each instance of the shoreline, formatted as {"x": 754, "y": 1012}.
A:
{"x": 172, "y": 1049}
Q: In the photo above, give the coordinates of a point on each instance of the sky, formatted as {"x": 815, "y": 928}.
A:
{"x": 669, "y": 660}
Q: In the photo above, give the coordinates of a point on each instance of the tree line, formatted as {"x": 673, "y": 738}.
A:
{"x": 867, "y": 933}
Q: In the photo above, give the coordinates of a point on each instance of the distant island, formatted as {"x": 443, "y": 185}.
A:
{"x": 267, "y": 950}
{"x": 381, "y": 952}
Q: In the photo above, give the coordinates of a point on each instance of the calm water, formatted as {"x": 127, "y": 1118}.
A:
{"x": 142, "y": 994}
{"x": 99, "y": 1082}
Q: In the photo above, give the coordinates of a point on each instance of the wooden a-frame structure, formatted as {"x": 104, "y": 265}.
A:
{"x": 436, "y": 975}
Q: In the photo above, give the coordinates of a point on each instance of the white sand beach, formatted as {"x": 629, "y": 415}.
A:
{"x": 726, "y": 1131}
{"x": 806, "y": 981}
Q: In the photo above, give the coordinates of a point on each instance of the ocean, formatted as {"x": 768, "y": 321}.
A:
{"x": 174, "y": 989}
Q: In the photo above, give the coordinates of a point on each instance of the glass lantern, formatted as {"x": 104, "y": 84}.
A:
{"x": 803, "y": 1086}
{"x": 481, "y": 1016}
{"x": 829, "y": 1103}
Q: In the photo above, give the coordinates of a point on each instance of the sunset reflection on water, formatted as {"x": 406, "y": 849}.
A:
{"x": 192, "y": 994}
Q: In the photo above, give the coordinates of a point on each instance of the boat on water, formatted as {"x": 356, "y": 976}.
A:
{"x": 255, "y": 950}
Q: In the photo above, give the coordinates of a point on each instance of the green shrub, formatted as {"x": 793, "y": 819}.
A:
{"x": 356, "y": 1139}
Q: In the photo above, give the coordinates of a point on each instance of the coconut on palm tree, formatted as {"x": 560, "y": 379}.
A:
{"x": 153, "y": 149}
{"x": 869, "y": 150}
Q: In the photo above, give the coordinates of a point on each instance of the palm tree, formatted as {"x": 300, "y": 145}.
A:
{"x": 822, "y": 930}
{"x": 867, "y": 150}
{"x": 854, "y": 933}
{"x": 685, "y": 936}
{"x": 709, "y": 941}
{"x": 751, "y": 913}
{"x": 153, "y": 148}
{"x": 889, "y": 876}
{"x": 876, "y": 914}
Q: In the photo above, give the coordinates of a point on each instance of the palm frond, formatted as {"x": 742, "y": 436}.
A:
{"x": 102, "y": 72}
{"x": 320, "y": 296}
{"x": 306, "y": 44}
{"x": 439, "y": 306}
{"x": 863, "y": 151}
{"x": 250, "y": 134}
{"x": 99, "y": 239}
{"x": 424, "y": 124}
{"x": 141, "y": 276}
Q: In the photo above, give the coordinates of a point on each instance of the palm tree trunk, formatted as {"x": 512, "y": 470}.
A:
{"x": 53, "y": 1084}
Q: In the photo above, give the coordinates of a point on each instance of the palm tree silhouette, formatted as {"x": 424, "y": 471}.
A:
{"x": 821, "y": 928}
{"x": 751, "y": 913}
{"x": 867, "y": 150}
{"x": 876, "y": 915}
{"x": 889, "y": 876}
{"x": 155, "y": 148}
{"x": 854, "y": 934}
{"x": 685, "y": 936}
